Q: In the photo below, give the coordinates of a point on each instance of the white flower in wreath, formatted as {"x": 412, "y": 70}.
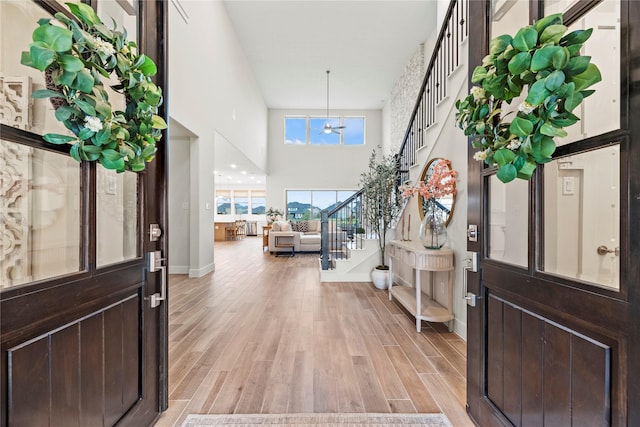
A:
{"x": 93, "y": 123}
{"x": 514, "y": 144}
{"x": 480, "y": 155}
{"x": 102, "y": 46}
{"x": 526, "y": 108}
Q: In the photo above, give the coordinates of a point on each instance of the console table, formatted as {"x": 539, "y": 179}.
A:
{"x": 410, "y": 295}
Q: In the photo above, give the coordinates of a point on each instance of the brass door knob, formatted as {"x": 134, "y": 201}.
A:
{"x": 603, "y": 250}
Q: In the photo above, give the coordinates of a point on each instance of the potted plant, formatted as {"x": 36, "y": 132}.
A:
{"x": 382, "y": 204}
{"x": 273, "y": 214}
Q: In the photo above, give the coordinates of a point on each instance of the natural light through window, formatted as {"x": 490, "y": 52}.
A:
{"x": 303, "y": 130}
{"x": 308, "y": 204}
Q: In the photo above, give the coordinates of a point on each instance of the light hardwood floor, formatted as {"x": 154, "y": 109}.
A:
{"x": 263, "y": 335}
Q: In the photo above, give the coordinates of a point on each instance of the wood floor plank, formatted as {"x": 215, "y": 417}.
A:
{"x": 455, "y": 412}
{"x": 454, "y": 380}
{"x": 420, "y": 396}
{"x": 276, "y": 399}
{"x": 324, "y": 392}
{"x": 236, "y": 381}
{"x": 253, "y": 394}
{"x": 402, "y": 406}
{"x": 373, "y": 397}
{"x": 416, "y": 357}
{"x": 206, "y": 393}
{"x": 437, "y": 340}
{"x": 301, "y": 389}
{"x": 354, "y": 339}
{"x": 349, "y": 397}
{"x": 262, "y": 334}
{"x": 389, "y": 380}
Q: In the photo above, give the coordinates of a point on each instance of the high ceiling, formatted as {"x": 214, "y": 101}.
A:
{"x": 366, "y": 45}
{"x": 291, "y": 43}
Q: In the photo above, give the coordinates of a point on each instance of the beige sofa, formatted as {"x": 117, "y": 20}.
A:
{"x": 304, "y": 235}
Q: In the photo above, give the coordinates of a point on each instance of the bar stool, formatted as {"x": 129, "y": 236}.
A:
{"x": 230, "y": 232}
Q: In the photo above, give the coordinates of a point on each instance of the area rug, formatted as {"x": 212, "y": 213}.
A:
{"x": 319, "y": 420}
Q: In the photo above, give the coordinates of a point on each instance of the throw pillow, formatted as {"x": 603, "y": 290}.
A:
{"x": 294, "y": 226}
{"x": 285, "y": 226}
{"x": 303, "y": 226}
{"x": 313, "y": 226}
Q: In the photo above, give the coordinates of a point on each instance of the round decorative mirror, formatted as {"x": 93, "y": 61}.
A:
{"x": 445, "y": 203}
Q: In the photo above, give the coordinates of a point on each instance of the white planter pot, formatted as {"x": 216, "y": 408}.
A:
{"x": 380, "y": 278}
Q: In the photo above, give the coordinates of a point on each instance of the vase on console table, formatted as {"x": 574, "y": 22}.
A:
{"x": 433, "y": 231}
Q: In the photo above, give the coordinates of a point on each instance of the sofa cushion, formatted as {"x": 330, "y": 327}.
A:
{"x": 310, "y": 239}
{"x": 281, "y": 226}
{"x": 313, "y": 226}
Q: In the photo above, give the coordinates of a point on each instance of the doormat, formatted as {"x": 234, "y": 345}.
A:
{"x": 319, "y": 420}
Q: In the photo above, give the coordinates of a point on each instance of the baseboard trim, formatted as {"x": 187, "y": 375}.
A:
{"x": 178, "y": 269}
{"x": 460, "y": 328}
{"x": 199, "y": 272}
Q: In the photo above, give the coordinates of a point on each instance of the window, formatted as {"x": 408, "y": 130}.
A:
{"x": 302, "y": 130}
{"x": 309, "y": 204}
{"x": 41, "y": 219}
{"x": 241, "y": 202}
{"x": 295, "y": 130}
{"x": 298, "y": 205}
{"x": 353, "y": 132}
{"x": 258, "y": 203}
{"x": 223, "y": 202}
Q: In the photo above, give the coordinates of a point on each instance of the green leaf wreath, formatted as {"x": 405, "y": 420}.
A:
{"x": 546, "y": 61}
{"x": 74, "y": 57}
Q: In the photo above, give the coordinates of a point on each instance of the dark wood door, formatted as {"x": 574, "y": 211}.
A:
{"x": 553, "y": 338}
{"x": 80, "y": 343}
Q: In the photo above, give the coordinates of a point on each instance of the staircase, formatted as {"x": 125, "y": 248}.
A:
{"x": 353, "y": 258}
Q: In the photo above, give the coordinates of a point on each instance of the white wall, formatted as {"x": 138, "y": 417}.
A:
{"x": 211, "y": 82}
{"x": 317, "y": 167}
{"x": 214, "y": 95}
{"x": 179, "y": 204}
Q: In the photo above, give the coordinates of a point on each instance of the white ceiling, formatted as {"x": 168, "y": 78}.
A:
{"x": 366, "y": 45}
{"x": 291, "y": 43}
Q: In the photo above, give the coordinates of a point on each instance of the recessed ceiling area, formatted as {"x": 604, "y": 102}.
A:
{"x": 232, "y": 168}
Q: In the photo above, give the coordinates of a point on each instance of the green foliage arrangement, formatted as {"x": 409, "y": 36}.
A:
{"x": 548, "y": 63}
{"x": 74, "y": 56}
{"x": 273, "y": 214}
{"x": 382, "y": 199}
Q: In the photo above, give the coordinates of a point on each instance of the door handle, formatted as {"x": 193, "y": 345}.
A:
{"x": 154, "y": 264}
{"x": 603, "y": 250}
{"x": 471, "y": 264}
